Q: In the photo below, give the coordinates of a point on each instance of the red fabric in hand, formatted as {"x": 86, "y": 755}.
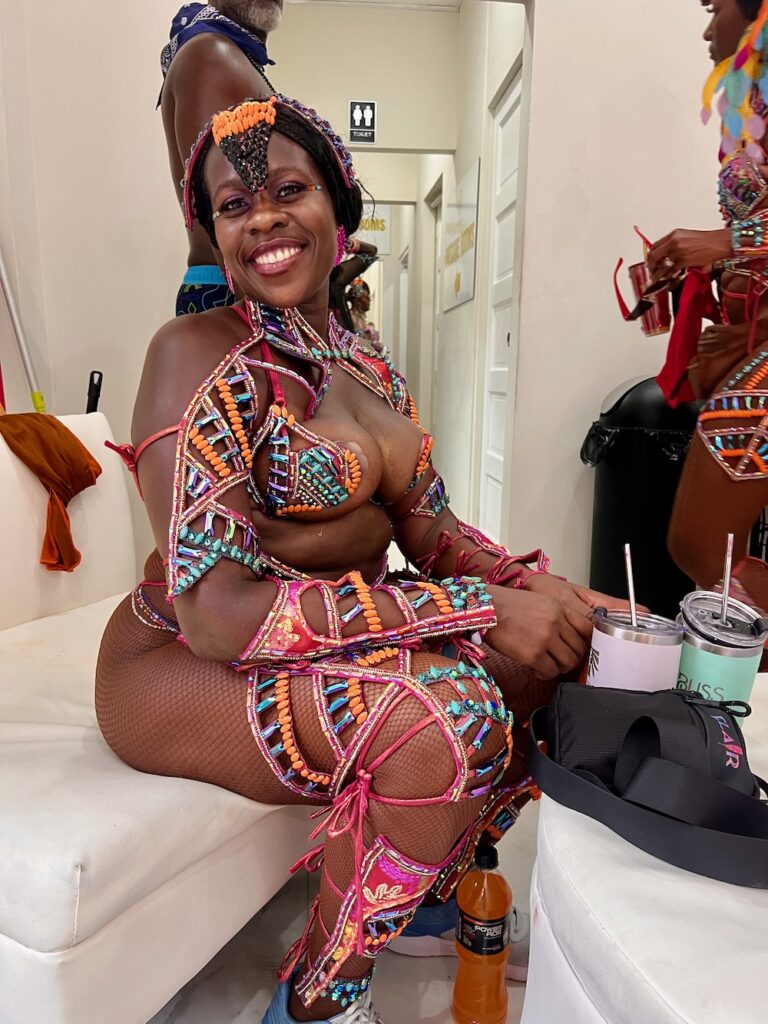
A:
{"x": 697, "y": 303}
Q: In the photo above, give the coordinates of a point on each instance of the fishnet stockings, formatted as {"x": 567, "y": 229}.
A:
{"x": 164, "y": 711}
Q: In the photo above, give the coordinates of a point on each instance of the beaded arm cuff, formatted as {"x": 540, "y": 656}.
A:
{"x": 749, "y": 237}
{"x": 214, "y": 453}
{"x": 460, "y": 605}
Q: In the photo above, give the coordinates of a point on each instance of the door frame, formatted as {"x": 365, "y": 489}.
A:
{"x": 520, "y": 67}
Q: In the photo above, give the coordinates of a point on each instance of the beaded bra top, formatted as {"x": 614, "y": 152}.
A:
{"x": 219, "y": 436}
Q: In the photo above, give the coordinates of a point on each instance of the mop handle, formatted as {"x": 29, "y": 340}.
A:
{"x": 38, "y": 401}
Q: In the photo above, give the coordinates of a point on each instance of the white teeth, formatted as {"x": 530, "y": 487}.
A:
{"x": 276, "y": 256}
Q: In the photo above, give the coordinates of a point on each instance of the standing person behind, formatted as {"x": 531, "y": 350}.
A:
{"x": 363, "y": 255}
{"x": 724, "y": 486}
{"x": 216, "y": 56}
{"x": 358, "y": 300}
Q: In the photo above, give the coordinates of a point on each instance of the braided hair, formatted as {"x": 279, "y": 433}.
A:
{"x": 347, "y": 200}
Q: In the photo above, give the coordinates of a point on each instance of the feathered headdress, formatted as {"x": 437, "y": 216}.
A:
{"x": 742, "y": 84}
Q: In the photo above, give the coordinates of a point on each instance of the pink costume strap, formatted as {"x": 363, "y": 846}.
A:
{"x": 278, "y": 392}
{"x": 243, "y": 315}
{"x": 131, "y": 455}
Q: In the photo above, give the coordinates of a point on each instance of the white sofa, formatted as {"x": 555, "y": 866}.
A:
{"x": 115, "y": 887}
{"x": 618, "y": 937}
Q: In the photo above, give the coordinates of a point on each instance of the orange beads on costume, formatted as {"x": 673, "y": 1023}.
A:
{"x": 243, "y": 118}
{"x": 356, "y": 702}
{"x": 285, "y": 721}
{"x": 235, "y": 419}
{"x": 366, "y": 603}
{"x": 426, "y": 451}
{"x": 354, "y": 473}
{"x": 376, "y": 657}
{"x": 208, "y": 452}
{"x": 733, "y": 414}
{"x": 294, "y": 509}
{"x": 444, "y": 606}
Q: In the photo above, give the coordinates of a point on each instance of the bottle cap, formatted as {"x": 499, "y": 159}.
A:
{"x": 486, "y": 857}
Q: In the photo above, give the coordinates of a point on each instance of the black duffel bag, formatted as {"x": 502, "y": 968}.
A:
{"x": 667, "y": 771}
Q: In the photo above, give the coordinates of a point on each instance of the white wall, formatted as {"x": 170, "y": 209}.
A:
{"x": 615, "y": 139}
{"x": 403, "y": 59}
{"x": 89, "y": 225}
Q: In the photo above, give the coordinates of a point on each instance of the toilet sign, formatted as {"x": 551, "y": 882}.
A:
{"x": 362, "y": 121}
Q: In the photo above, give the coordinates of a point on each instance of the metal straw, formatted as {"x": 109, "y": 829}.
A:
{"x": 630, "y": 585}
{"x": 727, "y": 578}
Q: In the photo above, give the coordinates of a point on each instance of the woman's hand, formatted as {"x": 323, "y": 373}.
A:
{"x": 579, "y": 598}
{"x": 546, "y": 634}
{"x": 681, "y": 249}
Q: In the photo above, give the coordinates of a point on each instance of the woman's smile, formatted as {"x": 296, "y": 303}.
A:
{"x": 276, "y": 256}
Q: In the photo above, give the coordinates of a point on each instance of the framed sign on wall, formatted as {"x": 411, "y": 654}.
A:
{"x": 460, "y": 240}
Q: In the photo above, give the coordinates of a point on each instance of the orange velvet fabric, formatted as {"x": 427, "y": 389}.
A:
{"x": 64, "y": 466}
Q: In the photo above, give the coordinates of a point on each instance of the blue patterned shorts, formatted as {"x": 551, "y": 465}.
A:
{"x": 203, "y": 288}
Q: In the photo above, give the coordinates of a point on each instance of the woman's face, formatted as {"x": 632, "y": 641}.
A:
{"x": 725, "y": 29}
{"x": 280, "y": 244}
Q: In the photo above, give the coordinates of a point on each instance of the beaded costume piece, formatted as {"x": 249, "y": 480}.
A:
{"x": 733, "y": 424}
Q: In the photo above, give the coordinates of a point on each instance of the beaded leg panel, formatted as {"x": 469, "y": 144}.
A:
{"x": 523, "y": 692}
{"x": 418, "y": 743}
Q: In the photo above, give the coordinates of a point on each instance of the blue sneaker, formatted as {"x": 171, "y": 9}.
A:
{"x": 360, "y": 1012}
{"x": 432, "y": 932}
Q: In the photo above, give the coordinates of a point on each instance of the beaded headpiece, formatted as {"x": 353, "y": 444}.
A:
{"x": 358, "y": 287}
{"x": 742, "y": 84}
{"x": 242, "y": 133}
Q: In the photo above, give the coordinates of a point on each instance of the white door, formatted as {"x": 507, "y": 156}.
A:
{"x": 501, "y": 342}
{"x": 437, "y": 310}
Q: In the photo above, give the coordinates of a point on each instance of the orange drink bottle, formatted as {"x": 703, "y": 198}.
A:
{"x": 482, "y": 942}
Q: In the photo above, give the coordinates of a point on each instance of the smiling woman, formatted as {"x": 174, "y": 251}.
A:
{"x": 294, "y": 457}
{"x": 231, "y": 183}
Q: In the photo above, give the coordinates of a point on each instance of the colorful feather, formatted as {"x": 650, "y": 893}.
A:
{"x": 737, "y": 82}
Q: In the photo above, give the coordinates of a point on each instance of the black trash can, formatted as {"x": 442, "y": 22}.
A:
{"x": 638, "y": 448}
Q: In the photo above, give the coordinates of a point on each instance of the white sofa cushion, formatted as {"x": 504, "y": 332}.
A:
{"x": 101, "y": 528}
{"x": 82, "y": 836}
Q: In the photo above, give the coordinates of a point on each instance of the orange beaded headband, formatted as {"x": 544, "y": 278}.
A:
{"x": 248, "y": 115}
{"x": 242, "y": 133}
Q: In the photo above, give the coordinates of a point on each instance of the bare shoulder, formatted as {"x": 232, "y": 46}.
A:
{"x": 208, "y": 74}
{"x": 180, "y": 357}
{"x": 207, "y": 62}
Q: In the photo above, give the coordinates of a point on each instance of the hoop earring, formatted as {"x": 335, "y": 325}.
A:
{"x": 228, "y": 278}
{"x": 341, "y": 244}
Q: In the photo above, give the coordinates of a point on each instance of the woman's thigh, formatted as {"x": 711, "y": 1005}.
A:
{"x": 164, "y": 711}
{"x": 709, "y": 505}
{"x": 167, "y": 712}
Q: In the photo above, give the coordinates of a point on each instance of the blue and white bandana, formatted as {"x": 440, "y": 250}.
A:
{"x": 194, "y": 19}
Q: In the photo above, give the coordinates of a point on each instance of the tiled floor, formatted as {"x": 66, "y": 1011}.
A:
{"x": 237, "y": 985}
